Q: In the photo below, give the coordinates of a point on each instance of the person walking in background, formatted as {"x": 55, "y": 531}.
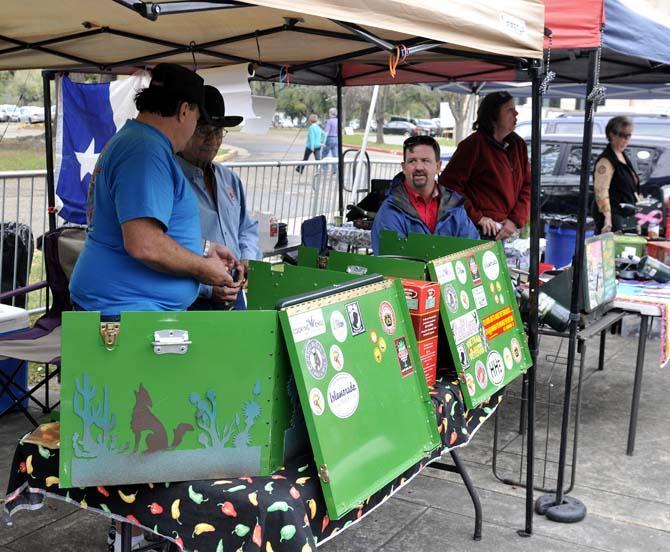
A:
{"x": 614, "y": 178}
{"x": 490, "y": 169}
{"x": 330, "y": 129}
{"x": 315, "y": 139}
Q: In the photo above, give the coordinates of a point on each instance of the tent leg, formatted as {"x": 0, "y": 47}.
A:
{"x": 559, "y": 508}
{"x": 47, "y": 77}
{"x": 340, "y": 158}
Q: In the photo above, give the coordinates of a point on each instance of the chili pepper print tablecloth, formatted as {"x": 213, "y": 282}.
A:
{"x": 649, "y": 293}
{"x": 283, "y": 512}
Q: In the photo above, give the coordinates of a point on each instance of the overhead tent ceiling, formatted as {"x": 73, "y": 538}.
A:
{"x": 311, "y": 37}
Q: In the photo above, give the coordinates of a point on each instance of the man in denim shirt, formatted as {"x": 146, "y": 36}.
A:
{"x": 223, "y": 210}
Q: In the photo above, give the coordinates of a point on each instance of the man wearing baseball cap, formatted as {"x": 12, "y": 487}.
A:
{"x": 143, "y": 251}
{"x": 223, "y": 210}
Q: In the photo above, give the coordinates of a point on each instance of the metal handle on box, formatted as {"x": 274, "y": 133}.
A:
{"x": 174, "y": 342}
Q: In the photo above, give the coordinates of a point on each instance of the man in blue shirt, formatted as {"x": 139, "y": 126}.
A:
{"x": 144, "y": 250}
{"x": 223, "y": 210}
{"x": 416, "y": 203}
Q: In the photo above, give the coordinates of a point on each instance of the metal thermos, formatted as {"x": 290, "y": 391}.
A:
{"x": 654, "y": 269}
{"x": 549, "y": 311}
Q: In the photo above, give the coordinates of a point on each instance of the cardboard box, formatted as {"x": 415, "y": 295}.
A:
{"x": 428, "y": 355}
{"x": 659, "y": 250}
{"x": 421, "y": 296}
{"x": 426, "y": 326}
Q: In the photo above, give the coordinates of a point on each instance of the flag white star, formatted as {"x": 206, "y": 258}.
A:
{"x": 87, "y": 160}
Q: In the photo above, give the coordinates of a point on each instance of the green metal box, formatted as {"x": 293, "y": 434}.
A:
{"x": 172, "y": 396}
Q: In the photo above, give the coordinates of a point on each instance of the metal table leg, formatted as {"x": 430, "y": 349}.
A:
{"x": 639, "y": 365}
{"x": 601, "y": 356}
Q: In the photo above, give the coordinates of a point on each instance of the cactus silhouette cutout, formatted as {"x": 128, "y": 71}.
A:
{"x": 143, "y": 419}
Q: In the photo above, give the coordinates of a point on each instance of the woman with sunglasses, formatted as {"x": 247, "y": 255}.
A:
{"x": 490, "y": 169}
{"x": 614, "y": 179}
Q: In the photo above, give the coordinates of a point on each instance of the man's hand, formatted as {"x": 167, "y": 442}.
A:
{"x": 226, "y": 294}
{"x": 607, "y": 225}
{"x": 488, "y": 226}
{"x": 222, "y": 252}
{"x": 508, "y": 228}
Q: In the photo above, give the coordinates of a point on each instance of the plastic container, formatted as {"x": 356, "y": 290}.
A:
{"x": 560, "y": 237}
{"x": 629, "y": 244}
{"x": 12, "y": 319}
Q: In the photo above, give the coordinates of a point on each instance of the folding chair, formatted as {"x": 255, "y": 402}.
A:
{"x": 41, "y": 343}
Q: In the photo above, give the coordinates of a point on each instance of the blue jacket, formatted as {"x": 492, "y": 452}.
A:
{"x": 397, "y": 213}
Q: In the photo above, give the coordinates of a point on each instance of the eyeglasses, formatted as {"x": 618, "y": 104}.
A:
{"x": 623, "y": 134}
{"x": 211, "y": 132}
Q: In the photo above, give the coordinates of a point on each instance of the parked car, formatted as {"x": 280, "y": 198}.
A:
{"x": 561, "y": 168}
{"x": 428, "y": 126}
{"x": 404, "y": 128}
{"x": 14, "y": 114}
{"x": 573, "y": 124}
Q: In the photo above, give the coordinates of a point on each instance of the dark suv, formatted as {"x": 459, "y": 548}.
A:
{"x": 561, "y": 166}
{"x": 573, "y": 124}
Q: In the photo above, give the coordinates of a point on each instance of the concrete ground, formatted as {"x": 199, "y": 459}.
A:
{"x": 627, "y": 498}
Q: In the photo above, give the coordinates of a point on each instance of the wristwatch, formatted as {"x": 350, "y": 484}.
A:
{"x": 206, "y": 247}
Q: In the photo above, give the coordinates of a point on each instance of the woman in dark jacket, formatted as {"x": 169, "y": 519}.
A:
{"x": 614, "y": 179}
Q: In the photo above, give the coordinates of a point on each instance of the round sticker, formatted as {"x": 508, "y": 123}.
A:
{"x": 516, "y": 349}
{"x": 480, "y": 372}
{"x": 461, "y": 274}
{"x": 343, "y": 395}
{"x": 498, "y": 286}
{"x": 495, "y": 368}
{"x": 336, "y": 357}
{"x": 502, "y": 299}
{"x": 470, "y": 382}
{"x": 382, "y": 344}
{"x": 338, "y": 326}
{"x": 387, "y": 317}
{"x": 497, "y": 299}
{"x": 507, "y": 357}
{"x": 465, "y": 301}
{"x": 492, "y": 287}
{"x": 316, "y": 401}
{"x": 373, "y": 336}
{"x": 450, "y": 297}
{"x": 490, "y": 265}
{"x": 315, "y": 356}
{"x": 378, "y": 354}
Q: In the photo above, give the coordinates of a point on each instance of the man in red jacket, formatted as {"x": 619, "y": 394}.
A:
{"x": 490, "y": 169}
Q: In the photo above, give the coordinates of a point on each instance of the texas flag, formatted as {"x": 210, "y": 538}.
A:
{"x": 88, "y": 116}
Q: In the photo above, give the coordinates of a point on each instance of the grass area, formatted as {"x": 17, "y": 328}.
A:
{"x": 22, "y": 154}
{"x": 357, "y": 140}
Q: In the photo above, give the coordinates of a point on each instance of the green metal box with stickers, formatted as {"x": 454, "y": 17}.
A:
{"x": 171, "y": 396}
{"x": 481, "y": 319}
{"x": 361, "y": 387}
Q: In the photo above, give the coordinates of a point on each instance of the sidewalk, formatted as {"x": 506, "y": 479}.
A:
{"x": 628, "y": 498}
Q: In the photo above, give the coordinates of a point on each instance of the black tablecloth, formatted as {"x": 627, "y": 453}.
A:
{"x": 285, "y": 511}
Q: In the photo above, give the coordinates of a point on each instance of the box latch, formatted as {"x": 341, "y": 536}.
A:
{"x": 109, "y": 332}
{"x": 174, "y": 342}
{"x": 323, "y": 473}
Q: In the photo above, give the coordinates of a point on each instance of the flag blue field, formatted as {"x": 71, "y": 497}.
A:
{"x": 88, "y": 116}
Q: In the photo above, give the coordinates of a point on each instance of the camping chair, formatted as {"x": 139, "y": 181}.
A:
{"x": 41, "y": 343}
{"x": 313, "y": 233}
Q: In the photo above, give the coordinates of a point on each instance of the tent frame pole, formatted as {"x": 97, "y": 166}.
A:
{"x": 47, "y": 77}
{"x": 558, "y": 507}
{"x": 340, "y": 158}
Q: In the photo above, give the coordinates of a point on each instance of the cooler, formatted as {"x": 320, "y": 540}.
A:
{"x": 659, "y": 250}
{"x": 12, "y": 319}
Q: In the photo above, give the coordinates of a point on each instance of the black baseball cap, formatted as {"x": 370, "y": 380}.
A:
{"x": 183, "y": 83}
{"x": 216, "y": 110}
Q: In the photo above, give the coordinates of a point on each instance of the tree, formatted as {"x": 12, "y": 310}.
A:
{"x": 459, "y": 105}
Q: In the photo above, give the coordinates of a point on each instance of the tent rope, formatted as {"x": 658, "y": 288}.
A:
{"x": 192, "y": 46}
{"x": 396, "y": 58}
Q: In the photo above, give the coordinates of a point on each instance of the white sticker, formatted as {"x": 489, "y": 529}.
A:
{"x": 465, "y": 326}
{"x": 490, "y": 265}
{"x": 507, "y": 357}
{"x": 343, "y": 395}
{"x": 463, "y": 356}
{"x": 387, "y": 317}
{"x": 338, "y": 325}
{"x": 495, "y": 368}
{"x": 307, "y": 324}
{"x": 479, "y": 295}
{"x": 355, "y": 318}
{"x": 336, "y": 357}
{"x": 315, "y": 357}
{"x": 516, "y": 349}
{"x": 461, "y": 274}
{"x": 316, "y": 401}
{"x": 445, "y": 273}
{"x": 465, "y": 300}
{"x": 502, "y": 299}
{"x": 513, "y": 25}
{"x": 450, "y": 297}
{"x": 480, "y": 373}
